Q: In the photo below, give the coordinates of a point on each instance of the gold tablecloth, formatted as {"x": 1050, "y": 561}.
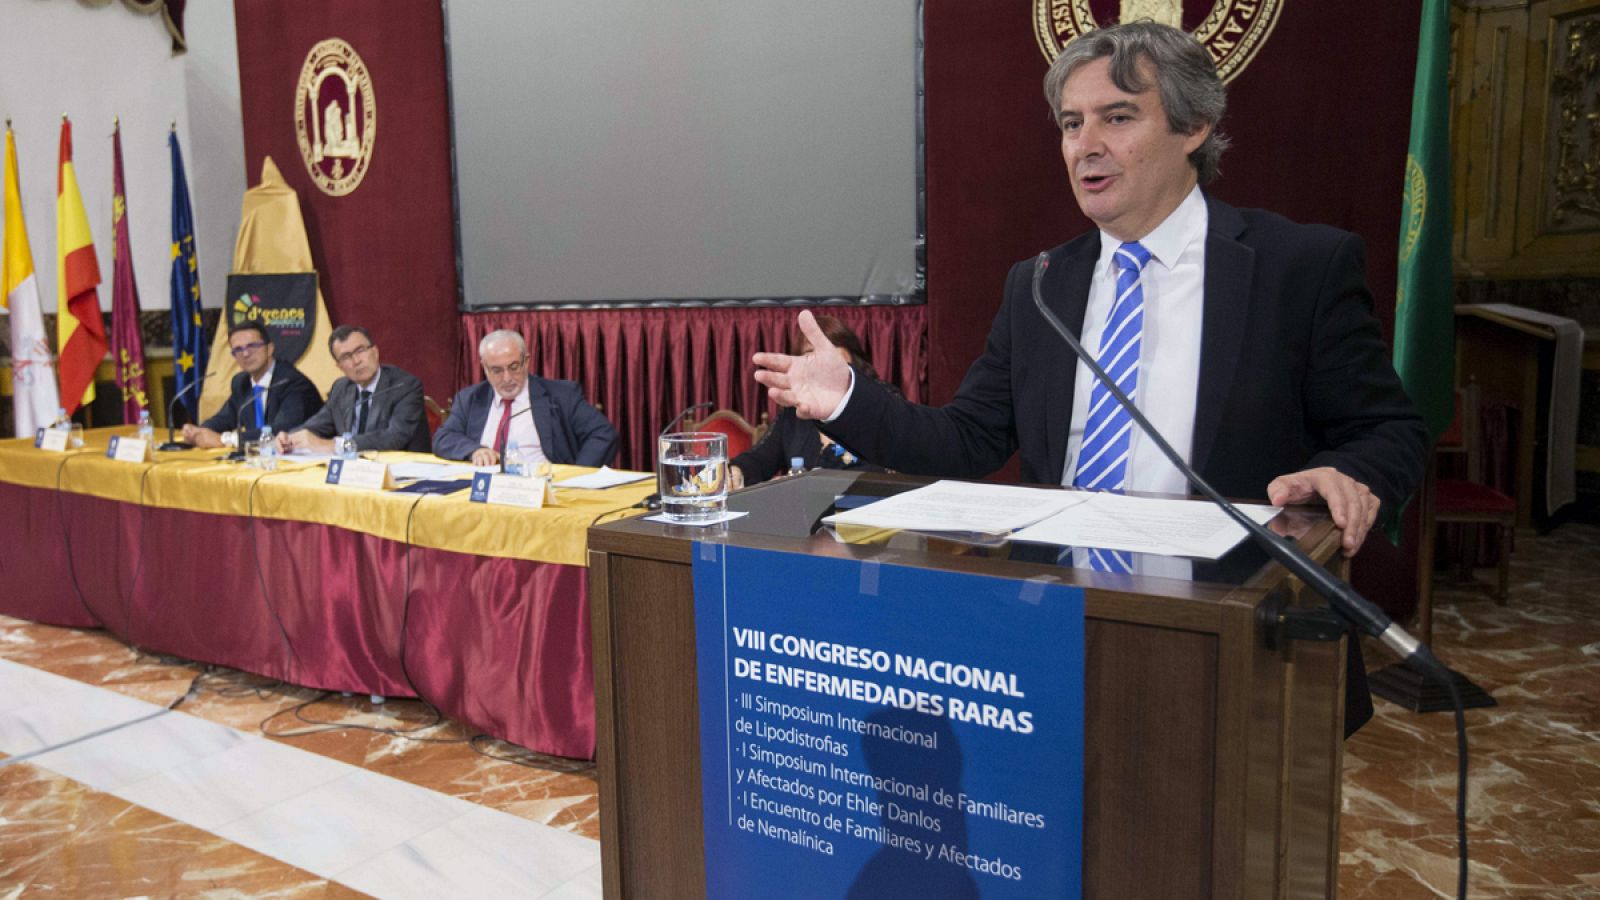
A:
{"x": 200, "y": 481}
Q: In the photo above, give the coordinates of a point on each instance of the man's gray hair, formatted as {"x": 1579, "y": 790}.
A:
{"x": 1191, "y": 91}
{"x": 504, "y": 334}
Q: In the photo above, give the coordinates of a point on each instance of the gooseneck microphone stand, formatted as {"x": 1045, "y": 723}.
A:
{"x": 1340, "y": 596}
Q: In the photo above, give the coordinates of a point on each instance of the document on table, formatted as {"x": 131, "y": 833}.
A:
{"x": 1145, "y": 525}
{"x": 606, "y": 477}
{"x": 959, "y": 506}
{"x": 406, "y": 471}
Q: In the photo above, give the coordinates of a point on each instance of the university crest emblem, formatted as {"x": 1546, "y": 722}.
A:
{"x": 1233, "y": 30}
{"x": 335, "y": 116}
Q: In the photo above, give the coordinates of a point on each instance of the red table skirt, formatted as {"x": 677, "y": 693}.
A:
{"x": 500, "y": 644}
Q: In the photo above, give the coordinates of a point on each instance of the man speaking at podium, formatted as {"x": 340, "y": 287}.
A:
{"x": 1246, "y": 339}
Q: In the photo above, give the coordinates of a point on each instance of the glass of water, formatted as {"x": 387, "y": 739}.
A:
{"x": 694, "y": 475}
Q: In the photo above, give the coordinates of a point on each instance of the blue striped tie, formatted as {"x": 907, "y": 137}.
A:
{"x": 1108, "y": 430}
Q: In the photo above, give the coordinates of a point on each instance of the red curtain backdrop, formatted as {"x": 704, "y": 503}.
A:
{"x": 1320, "y": 120}
{"x": 1319, "y": 117}
{"x": 386, "y": 251}
{"x": 643, "y": 366}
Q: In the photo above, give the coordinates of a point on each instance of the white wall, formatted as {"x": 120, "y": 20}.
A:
{"x": 94, "y": 63}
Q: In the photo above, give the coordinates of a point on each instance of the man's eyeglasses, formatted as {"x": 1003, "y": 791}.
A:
{"x": 251, "y": 347}
{"x": 511, "y": 369}
{"x": 345, "y": 358}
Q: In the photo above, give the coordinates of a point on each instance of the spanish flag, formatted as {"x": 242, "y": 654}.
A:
{"x": 80, "y": 332}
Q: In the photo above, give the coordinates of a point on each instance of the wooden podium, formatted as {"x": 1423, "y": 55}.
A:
{"x": 1211, "y": 762}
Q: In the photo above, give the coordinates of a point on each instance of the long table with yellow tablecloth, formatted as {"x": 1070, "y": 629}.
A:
{"x": 479, "y": 609}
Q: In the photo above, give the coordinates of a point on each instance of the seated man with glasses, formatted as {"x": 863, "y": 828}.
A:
{"x": 548, "y": 420}
{"x": 267, "y": 391}
{"x": 380, "y": 406}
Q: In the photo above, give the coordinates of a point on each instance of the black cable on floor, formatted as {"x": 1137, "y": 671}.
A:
{"x": 324, "y": 726}
{"x": 531, "y": 759}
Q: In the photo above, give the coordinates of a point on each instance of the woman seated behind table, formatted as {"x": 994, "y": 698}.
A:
{"x": 791, "y": 436}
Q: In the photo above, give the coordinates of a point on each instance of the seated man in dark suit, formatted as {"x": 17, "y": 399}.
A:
{"x": 380, "y": 405}
{"x": 547, "y": 419}
{"x": 267, "y": 390}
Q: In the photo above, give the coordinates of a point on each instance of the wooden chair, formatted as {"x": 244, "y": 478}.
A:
{"x": 1463, "y": 501}
{"x": 741, "y": 434}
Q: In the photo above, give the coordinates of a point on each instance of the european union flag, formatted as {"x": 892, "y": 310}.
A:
{"x": 189, "y": 348}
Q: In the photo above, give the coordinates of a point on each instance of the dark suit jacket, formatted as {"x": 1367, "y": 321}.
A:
{"x": 1294, "y": 372}
{"x": 396, "y": 420}
{"x": 791, "y": 436}
{"x": 570, "y": 430}
{"x": 292, "y": 399}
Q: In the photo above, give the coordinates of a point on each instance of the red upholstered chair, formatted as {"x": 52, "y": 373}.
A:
{"x": 741, "y": 434}
{"x": 1464, "y": 501}
{"x": 436, "y": 413}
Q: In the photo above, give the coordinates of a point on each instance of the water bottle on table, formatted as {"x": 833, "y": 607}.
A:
{"x": 268, "y": 453}
{"x": 511, "y": 462}
{"x": 147, "y": 431}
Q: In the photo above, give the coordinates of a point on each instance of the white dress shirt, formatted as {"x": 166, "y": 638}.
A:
{"x": 522, "y": 431}
{"x": 231, "y": 438}
{"x": 1169, "y": 353}
{"x": 370, "y": 388}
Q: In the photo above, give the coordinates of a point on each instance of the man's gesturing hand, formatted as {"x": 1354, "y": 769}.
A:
{"x": 813, "y": 384}
{"x": 1353, "y": 506}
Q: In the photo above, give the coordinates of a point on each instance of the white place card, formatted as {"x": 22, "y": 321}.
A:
{"x": 128, "y": 450}
{"x": 511, "y": 490}
{"x": 363, "y": 474}
{"x": 52, "y": 439}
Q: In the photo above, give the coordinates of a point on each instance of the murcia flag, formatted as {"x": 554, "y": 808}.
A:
{"x": 33, "y": 378}
{"x": 127, "y": 347}
{"x": 80, "y": 332}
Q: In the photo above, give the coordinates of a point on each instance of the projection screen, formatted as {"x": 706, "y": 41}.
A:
{"x": 638, "y": 152}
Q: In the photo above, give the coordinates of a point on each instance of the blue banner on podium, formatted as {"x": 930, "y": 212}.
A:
{"x": 872, "y": 730}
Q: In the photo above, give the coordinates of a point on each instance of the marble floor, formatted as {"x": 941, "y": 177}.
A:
{"x": 251, "y": 788}
{"x": 1534, "y": 792}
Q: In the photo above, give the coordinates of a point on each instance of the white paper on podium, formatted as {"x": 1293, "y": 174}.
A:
{"x": 1189, "y": 528}
{"x": 959, "y": 506}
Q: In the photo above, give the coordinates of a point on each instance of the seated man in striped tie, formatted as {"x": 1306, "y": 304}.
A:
{"x": 379, "y": 406}
{"x": 548, "y": 420}
{"x": 267, "y": 391}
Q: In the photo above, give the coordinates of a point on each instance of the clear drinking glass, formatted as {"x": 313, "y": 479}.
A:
{"x": 693, "y": 475}
{"x": 75, "y": 436}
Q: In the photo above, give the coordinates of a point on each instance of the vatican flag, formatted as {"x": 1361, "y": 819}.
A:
{"x": 33, "y": 374}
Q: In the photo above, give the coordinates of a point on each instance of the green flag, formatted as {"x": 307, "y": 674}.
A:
{"x": 1424, "y": 316}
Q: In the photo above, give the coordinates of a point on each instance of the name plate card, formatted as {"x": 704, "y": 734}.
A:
{"x": 52, "y": 439}
{"x": 511, "y": 490}
{"x": 364, "y": 474}
{"x": 129, "y": 450}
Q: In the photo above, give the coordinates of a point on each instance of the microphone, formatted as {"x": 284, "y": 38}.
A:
{"x": 654, "y": 500}
{"x": 1367, "y": 616}
{"x": 172, "y": 407}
